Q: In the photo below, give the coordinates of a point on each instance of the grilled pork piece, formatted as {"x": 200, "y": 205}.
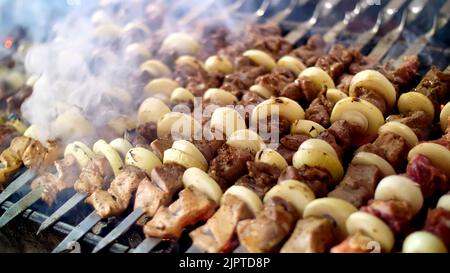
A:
{"x": 311, "y": 235}
{"x": 396, "y": 214}
{"x": 418, "y": 121}
{"x": 9, "y": 163}
{"x": 117, "y": 199}
{"x": 94, "y": 176}
{"x": 431, "y": 179}
{"x": 276, "y": 80}
{"x": 337, "y": 61}
{"x": 436, "y": 86}
{"x": 320, "y": 111}
{"x": 68, "y": 171}
{"x": 217, "y": 234}
{"x": 267, "y": 231}
{"x": 391, "y": 147}
{"x": 191, "y": 207}
{"x": 318, "y": 180}
{"x": 289, "y": 145}
{"x": 166, "y": 181}
{"x": 358, "y": 185}
{"x": 159, "y": 145}
{"x": 229, "y": 165}
{"x": 312, "y": 51}
{"x": 356, "y": 243}
{"x": 438, "y": 223}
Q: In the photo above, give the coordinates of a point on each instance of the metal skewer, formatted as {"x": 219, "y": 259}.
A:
{"x": 20, "y": 206}
{"x": 12, "y": 188}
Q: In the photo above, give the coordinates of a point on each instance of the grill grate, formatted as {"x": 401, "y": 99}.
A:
{"x": 296, "y": 32}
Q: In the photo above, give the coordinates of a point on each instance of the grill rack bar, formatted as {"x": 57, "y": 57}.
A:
{"x": 90, "y": 238}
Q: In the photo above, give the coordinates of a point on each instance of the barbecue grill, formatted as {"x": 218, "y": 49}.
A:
{"x": 384, "y": 30}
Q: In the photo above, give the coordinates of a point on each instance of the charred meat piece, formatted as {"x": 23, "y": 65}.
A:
{"x": 431, "y": 179}
{"x": 239, "y": 82}
{"x": 68, "y": 171}
{"x": 196, "y": 79}
{"x": 312, "y": 51}
{"x": 389, "y": 146}
{"x": 418, "y": 121}
{"x": 276, "y": 46}
{"x": 438, "y": 223}
{"x": 217, "y": 234}
{"x": 396, "y": 214}
{"x": 355, "y": 243}
{"x": 94, "y": 176}
{"x": 373, "y": 97}
{"x": 268, "y": 230}
{"x": 289, "y": 145}
{"x": 209, "y": 148}
{"x": 337, "y": 61}
{"x": 407, "y": 72}
{"x": 116, "y": 200}
{"x": 191, "y": 207}
{"x": 358, "y": 185}
{"x": 318, "y": 180}
{"x": 261, "y": 178}
{"x": 435, "y": 85}
{"x": 159, "y": 145}
{"x": 320, "y": 111}
{"x": 277, "y": 80}
{"x": 229, "y": 165}
{"x": 311, "y": 235}
{"x": 166, "y": 181}
{"x": 148, "y": 131}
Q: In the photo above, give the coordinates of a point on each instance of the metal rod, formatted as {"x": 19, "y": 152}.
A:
{"x": 18, "y": 183}
{"x": 147, "y": 245}
{"x": 20, "y": 206}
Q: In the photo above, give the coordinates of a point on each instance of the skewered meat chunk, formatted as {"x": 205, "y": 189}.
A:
{"x": 358, "y": 185}
{"x": 342, "y": 135}
{"x": 9, "y": 164}
{"x": 159, "y": 145}
{"x": 311, "y": 235}
{"x": 209, "y": 148}
{"x": 431, "y": 179}
{"x": 317, "y": 179}
{"x": 116, "y": 200}
{"x": 148, "y": 131}
{"x": 191, "y": 207}
{"x": 320, "y": 111}
{"x": 355, "y": 243}
{"x": 68, "y": 171}
{"x": 435, "y": 85}
{"x": 274, "y": 45}
{"x": 216, "y": 235}
{"x": 196, "y": 79}
{"x": 373, "y": 97}
{"x": 166, "y": 181}
{"x": 289, "y": 145}
{"x": 418, "y": 121}
{"x": 312, "y": 51}
{"x": 267, "y": 231}
{"x": 94, "y": 176}
{"x": 229, "y": 165}
{"x": 438, "y": 223}
{"x": 406, "y": 73}
{"x": 239, "y": 82}
{"x": 336, "y": 62}
{"x": 277, "y": 80}
{"x": 396, "y": 214}
{"x": 389, "y": 146}
{"x": 261, "y": 177}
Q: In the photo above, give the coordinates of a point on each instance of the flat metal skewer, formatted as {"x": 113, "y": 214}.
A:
{"x": 147, "y": 245}
{"x": 119, "y": 230}
{"x": 70, "y": 204}
{"x": 20, "y": 206}
{"x": 79, "y": 231}
{"x": 14, "y": 186}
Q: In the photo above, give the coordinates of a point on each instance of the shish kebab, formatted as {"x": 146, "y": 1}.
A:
{"x": 117, "y": 233}
{"x": 149, "y": 84}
